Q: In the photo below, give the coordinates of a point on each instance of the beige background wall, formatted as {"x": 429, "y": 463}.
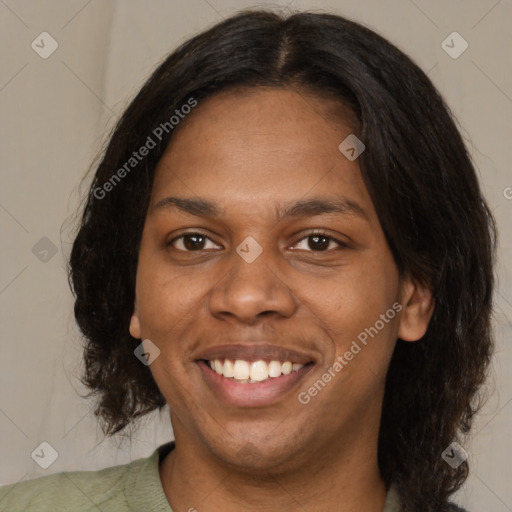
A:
{"x": 54, "y": 115}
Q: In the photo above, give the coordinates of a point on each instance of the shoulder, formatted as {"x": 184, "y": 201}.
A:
{"x": 74, "y": 491}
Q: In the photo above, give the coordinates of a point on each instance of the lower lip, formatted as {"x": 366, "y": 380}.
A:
{"x": 258, "y": 394}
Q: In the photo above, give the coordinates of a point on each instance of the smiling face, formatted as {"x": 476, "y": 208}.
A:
{"x": 270, "y": 251}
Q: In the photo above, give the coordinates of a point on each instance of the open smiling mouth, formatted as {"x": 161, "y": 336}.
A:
{"x": 252, "y": 372}
{"x": 251, "y": 383}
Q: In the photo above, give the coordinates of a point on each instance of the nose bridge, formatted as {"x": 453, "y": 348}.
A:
{"x": 253, "y": 264}
{"x": 252, "y": 285}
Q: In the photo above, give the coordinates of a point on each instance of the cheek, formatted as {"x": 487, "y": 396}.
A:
{"x": 355, "y": 308}
{"x": 352, "y": 298}
{"x": 167, "y": 298}
{"x": 359, "y": 317}
{"x": 166, "y": 304}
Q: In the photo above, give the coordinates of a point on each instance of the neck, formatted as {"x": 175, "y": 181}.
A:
{"x": 341, "y": 476}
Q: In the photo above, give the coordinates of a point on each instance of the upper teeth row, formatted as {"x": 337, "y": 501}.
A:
{"x": 253, "y": 371}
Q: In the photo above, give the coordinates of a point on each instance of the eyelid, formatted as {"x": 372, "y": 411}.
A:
{"x": 323, "y": 233}
{"x": 193, "y": 232}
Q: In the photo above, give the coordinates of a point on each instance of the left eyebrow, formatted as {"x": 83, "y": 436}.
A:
{"x": 320, "y": 206}
{"x": 306, "y": 208}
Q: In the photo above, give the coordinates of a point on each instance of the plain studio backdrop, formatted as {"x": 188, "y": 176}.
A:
{"x": 56, "y": 110}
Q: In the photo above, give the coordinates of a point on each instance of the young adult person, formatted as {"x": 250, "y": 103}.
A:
{"x": 287, "y": 219}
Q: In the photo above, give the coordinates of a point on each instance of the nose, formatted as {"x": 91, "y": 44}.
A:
{"x": 251, "y": 291}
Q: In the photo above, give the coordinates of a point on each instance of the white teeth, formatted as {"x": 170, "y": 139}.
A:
{"x": 241, "y": 370}
{"x": 250, "y": 372}
{"x": 274, "y": 369}
{"x": 228, "y": 369}
{"x": 259, "y": 371}
{"x": 286, "y": 369}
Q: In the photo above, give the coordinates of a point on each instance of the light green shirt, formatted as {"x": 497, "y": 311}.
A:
{"x": 134, "y": 487}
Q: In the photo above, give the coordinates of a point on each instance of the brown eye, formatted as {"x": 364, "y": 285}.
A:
{"x": 319, "y": 242}
{"x": 190, "y": 242}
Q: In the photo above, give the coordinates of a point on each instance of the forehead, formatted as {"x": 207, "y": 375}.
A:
{"x": 260, "y": 147}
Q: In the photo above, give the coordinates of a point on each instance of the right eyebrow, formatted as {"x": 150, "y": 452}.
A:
{"x": 198, "y": 207}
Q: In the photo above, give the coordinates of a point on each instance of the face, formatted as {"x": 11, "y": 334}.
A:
{"x": 271, "y": 253}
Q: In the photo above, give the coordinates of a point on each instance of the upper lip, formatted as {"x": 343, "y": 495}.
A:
{"x": 255, "y": 352}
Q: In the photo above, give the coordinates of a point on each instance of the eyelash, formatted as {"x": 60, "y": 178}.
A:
{"x": 312, "y": 234}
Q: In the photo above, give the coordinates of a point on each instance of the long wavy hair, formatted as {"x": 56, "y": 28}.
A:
{"x": 425, "y": 191}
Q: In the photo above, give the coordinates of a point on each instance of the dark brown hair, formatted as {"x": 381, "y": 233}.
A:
{"x": 425, "y": 191}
